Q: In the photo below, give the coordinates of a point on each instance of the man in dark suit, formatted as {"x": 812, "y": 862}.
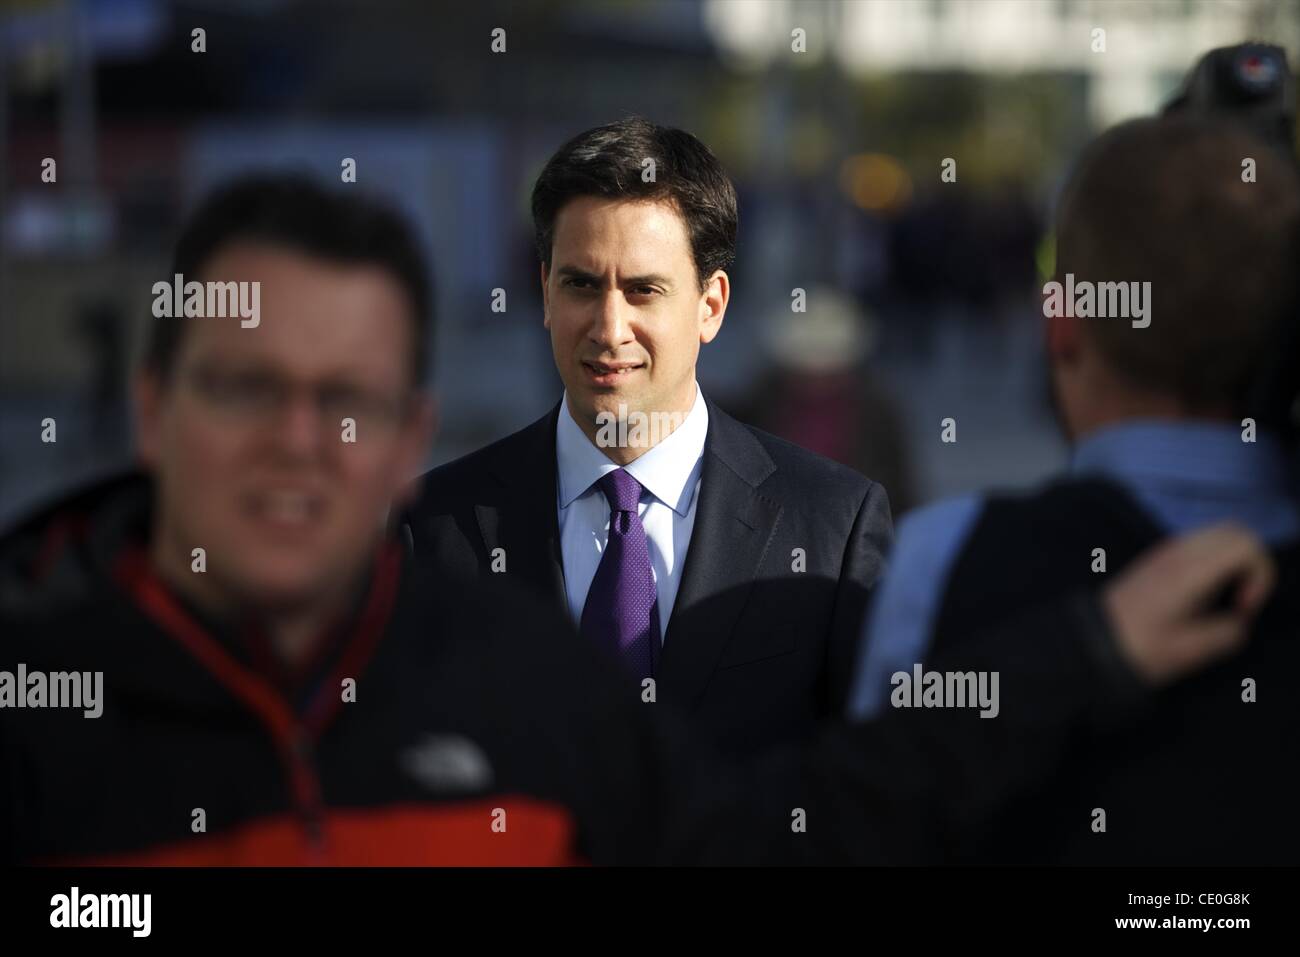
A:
{"x": 635, "y": 226}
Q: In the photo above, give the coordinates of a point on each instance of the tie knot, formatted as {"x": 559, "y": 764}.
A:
{"x": 622, "y": 491}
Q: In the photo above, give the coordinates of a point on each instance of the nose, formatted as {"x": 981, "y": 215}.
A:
{"x": 301, "y": 430}
{"x": 611, "y": 328}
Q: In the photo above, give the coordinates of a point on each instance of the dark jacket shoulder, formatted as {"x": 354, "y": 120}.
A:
{"x": 448, "y": 485}
{"x": 815, "y": 474}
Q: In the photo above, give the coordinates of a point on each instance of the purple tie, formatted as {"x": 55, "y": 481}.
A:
{"x": 622, "y": 610}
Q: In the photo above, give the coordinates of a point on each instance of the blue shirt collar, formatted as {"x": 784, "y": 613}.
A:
{"x": 1159, "y": 451}
{"x": 665, "y": 471}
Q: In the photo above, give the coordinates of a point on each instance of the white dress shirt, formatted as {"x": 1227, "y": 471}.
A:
{"x": 670, "y": 475}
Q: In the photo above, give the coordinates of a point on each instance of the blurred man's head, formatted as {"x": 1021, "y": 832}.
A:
{"x": 244, "y": 428}
{"x": 635, "y": 226}
{"x": 1163, "y": 201}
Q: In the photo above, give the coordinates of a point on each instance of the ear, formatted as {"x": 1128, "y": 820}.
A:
{"x": 147, "y": 396}
{"x": 546, "y": 297}
{"x": 1064, "y": 339}
{"x": 713, "y": 305}
{"x": 417, "y": 441}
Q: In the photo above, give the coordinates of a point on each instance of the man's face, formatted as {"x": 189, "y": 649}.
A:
{"x": 624, "y": 307}
{"x": 247, "y": 439}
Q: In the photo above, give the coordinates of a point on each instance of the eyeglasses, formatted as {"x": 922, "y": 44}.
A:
{"x": 255, "y": 397}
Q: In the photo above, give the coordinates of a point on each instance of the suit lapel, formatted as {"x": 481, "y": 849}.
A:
{"x": 523, "y": 520}
{"x": 733, "y": 528}
{"x": 734, "y": 524}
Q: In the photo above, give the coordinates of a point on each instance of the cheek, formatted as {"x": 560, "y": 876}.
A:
{"x": 370, "y": 482}
{"x": 566, "y": 326}
{"x": 206, "y": 456}
{"x": 198, "y": 475}
{"x": 672, "y": 343}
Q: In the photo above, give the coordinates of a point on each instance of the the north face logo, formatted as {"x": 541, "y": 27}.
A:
{"x": 448, "y": 762}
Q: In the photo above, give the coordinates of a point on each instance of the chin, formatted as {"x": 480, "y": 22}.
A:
{"x": 281, "y": 588}
{"x": 609, "y": 401}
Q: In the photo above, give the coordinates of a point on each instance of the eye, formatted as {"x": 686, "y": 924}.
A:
{"x": 578, "y": 282}
{"x": 644, "y": 290}
{"x": 342, "y": 397}
{"x": 254, "y": 387}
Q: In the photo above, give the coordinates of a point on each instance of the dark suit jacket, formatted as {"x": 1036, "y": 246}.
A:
{"x": 784, "y": 552}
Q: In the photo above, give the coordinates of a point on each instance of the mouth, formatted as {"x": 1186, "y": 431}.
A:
{"x": 609, "y": 374}
{"x": 284, "y": 510}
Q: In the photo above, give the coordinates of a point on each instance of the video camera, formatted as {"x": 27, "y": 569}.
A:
{"x": 1251, "y": 84}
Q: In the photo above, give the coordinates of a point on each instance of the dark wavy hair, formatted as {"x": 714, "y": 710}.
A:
{"x": 607, "y": 162}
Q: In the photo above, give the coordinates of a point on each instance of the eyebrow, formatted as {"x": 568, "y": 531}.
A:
{"x": 650, "y": 279}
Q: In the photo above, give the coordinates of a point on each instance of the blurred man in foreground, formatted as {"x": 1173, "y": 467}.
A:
{"x": 276, "y": 686}
{"x": 1171, "y": 430}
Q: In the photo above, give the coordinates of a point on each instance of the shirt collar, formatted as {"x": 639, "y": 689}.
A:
{"x": 665, "y": 471}
{"x": 1186, "y": 453}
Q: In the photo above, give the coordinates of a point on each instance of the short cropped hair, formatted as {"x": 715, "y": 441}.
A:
{"x": 1165, "y": 201}
{"x": 294, "y": 211}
